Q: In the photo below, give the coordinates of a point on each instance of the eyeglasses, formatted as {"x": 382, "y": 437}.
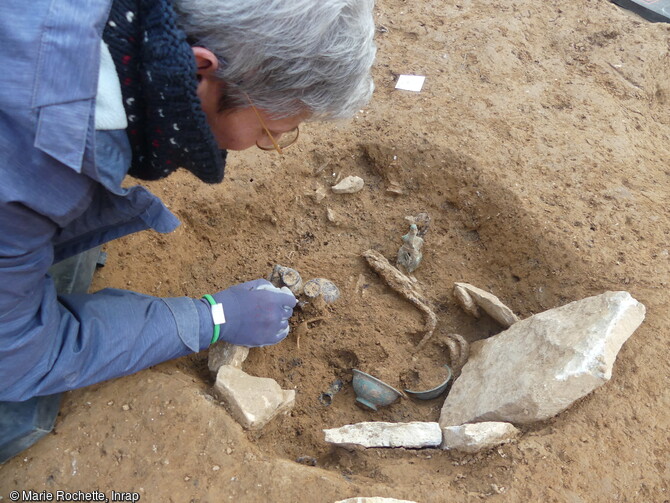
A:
{"x": 269, "y": 142}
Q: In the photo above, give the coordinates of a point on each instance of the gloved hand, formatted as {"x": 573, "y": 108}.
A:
{"x": 256, "y": 313}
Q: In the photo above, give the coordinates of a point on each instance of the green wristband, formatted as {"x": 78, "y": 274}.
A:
{"x": 217, "y": 328}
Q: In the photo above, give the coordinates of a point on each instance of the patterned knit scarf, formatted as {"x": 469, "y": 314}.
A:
{"x": 166, "y": 125}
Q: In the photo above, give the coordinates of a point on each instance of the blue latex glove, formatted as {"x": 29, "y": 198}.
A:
{"x": 256, "y": 313}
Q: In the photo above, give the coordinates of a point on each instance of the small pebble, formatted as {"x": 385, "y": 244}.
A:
{"x": 306, "y": 460}
{"x": 229, "y": 450}
{"x": 349, "y": 185}
{"x": 331, "y": 215}
{"x": 216, "y": 468}
{"x": 319, "y": 194}
{"x": 126, "y": 407}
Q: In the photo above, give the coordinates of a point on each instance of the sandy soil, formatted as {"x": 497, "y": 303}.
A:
{"x": 539, "y": 146}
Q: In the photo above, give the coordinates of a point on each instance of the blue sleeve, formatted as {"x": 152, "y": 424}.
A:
{"x": 50, "y": 344}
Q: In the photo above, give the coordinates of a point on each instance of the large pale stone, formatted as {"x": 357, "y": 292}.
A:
{"x": 477, "y": 436}
{"x": 470, "y": 297}
{"x": 539, "y": 366}
{"x": 414, "y": 435}
{"x": 252, "y": 401}
{"x": 223, "y": 353}
{"x": 374, "y": 500}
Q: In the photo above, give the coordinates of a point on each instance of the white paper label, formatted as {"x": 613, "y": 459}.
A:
{"x": 410, "y": 82}
{"x": 217, "y": 314}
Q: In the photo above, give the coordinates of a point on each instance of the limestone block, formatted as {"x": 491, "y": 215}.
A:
{"x": 539, "y": 366}
{"x": 252, "y": 401}
{"x": 349, "y": 185}
{"x": 374, "y": 500}
{"x": 472, "y": 297}
{"x": 477, "y": 436}
{"x": 224, "y": 353}
{"x": 414, "y": 435}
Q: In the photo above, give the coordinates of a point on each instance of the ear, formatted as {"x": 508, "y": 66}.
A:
{"x": 205, "y": 60}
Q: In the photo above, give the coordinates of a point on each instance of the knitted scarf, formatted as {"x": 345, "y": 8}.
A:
{"x": 167, "y": 127}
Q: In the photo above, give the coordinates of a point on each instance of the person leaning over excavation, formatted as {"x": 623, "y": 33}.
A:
{"x": 98, "y": 89}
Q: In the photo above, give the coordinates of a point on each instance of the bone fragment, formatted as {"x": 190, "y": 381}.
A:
{"x": 404, "y": 286}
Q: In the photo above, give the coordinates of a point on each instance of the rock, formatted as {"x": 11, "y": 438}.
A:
{"x": 539, "y": 366}
{"x": 466, "y": 302}
{"x": 224, "y": 353}
{"x": 306, "y": 460}
{"x": 332, "y": 216}
{"x": 477, "y": 436}
{"x": 395, "y": 188}
{"x": 374, "y": 499}
{"x": 348, "y": 185}
{"x": 252, "y": 401}
{"x": 319, "y": 194}
{"x": 487, "y": 301}
{"x": 379, "y": 434}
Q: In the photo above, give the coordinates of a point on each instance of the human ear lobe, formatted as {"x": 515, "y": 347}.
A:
{"x": 205, "y": 60}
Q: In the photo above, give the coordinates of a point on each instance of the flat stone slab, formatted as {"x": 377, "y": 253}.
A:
{"x": 477, "y": 437}
{"x": 541, "y": 365}
{"x": 472, "y": 299}
{"x": 414, "y": 435}
{"x": 251, "y": 400}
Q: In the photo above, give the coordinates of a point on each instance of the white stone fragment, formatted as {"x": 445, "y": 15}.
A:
{"x": 476, "y": 437}
{"x": 224, "y": 353}
{"x": 348, "y": 185}
{"x": 541, "y": 365}
{"x": 374, "y": 499}
{"x": 487, "y": 301}
{"x": 466, "y": 302}
{"x": 252, "y": 401}
{"x": 414, "y": 435}
{"x": 319, "y": 194}
{"x": 332, "y": 216}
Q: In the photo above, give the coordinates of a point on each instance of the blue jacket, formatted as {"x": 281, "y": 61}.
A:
{"x": 60, "y": 194}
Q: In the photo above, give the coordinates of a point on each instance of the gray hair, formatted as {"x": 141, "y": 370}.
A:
{"x": 288, "y": 55}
